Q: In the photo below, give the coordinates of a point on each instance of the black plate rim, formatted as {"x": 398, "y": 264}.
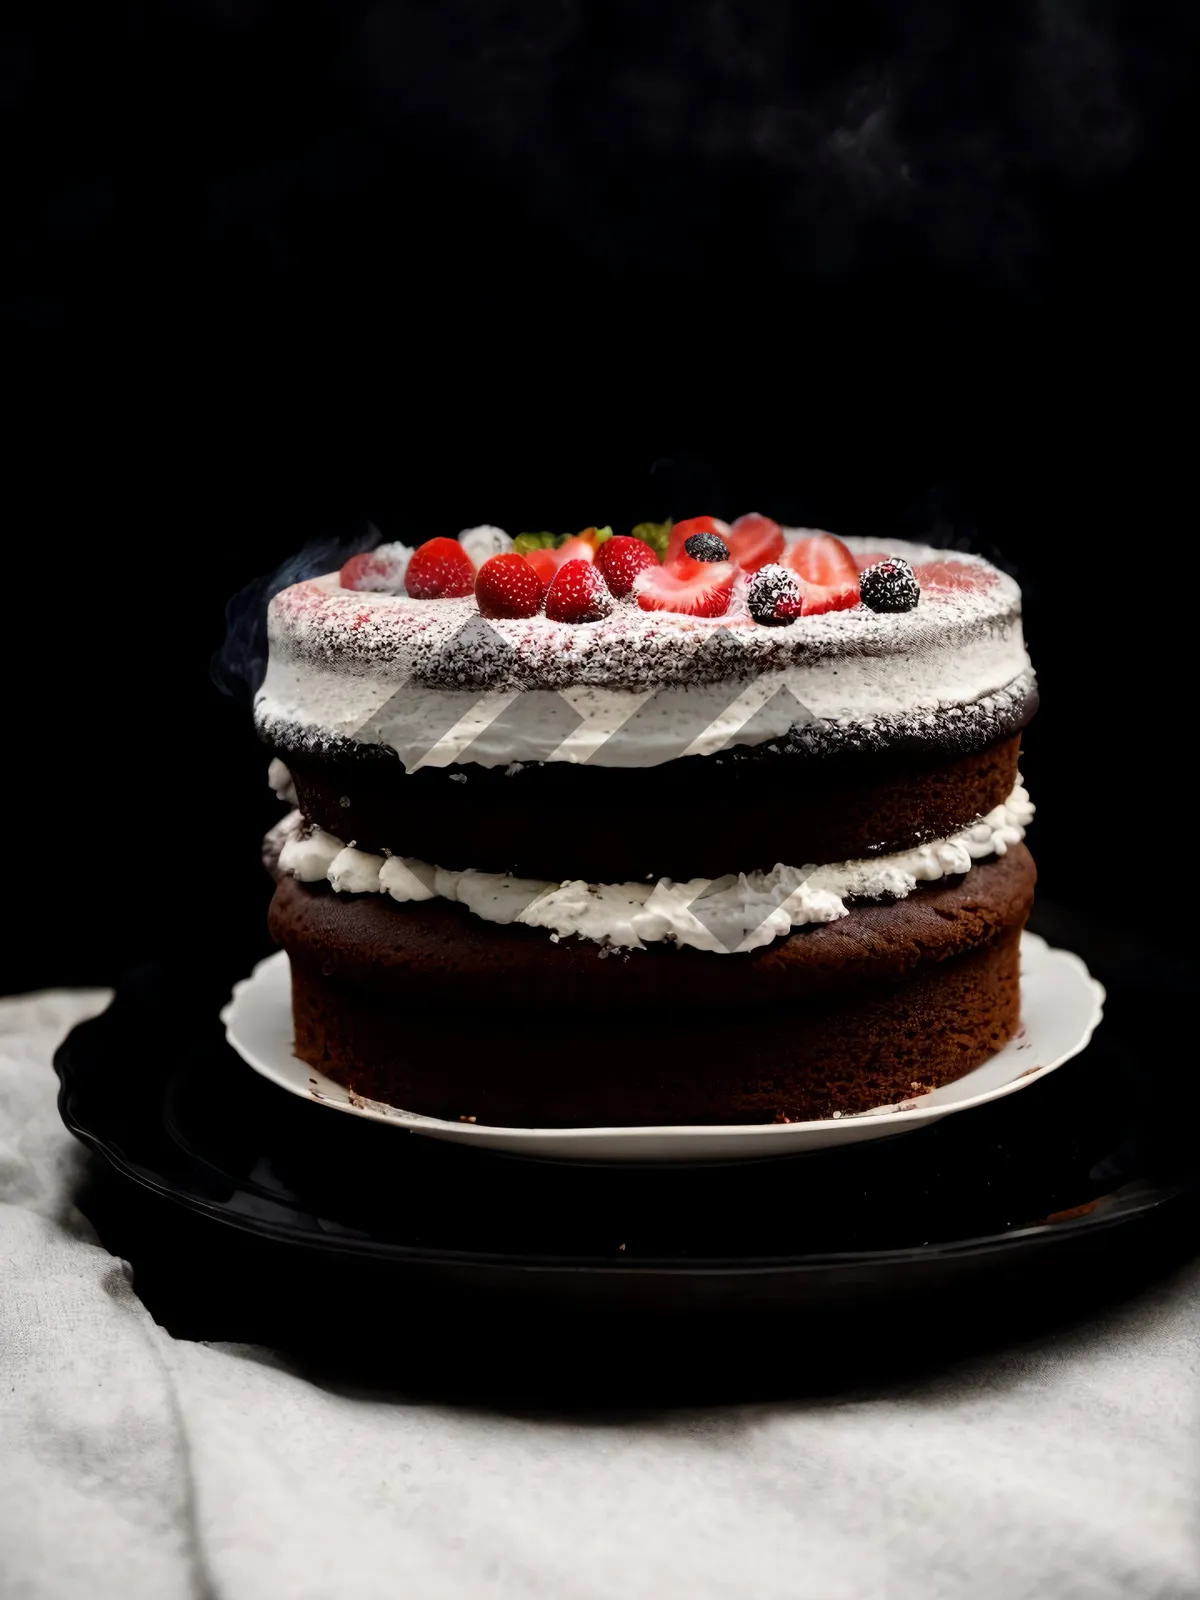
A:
{"x": 1138, "y": 1202}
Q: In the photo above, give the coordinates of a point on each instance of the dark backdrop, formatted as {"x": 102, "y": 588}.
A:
{"x": 273, "y": 270}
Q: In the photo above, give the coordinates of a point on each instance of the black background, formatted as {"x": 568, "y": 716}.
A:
{"x": 273, "y": 270}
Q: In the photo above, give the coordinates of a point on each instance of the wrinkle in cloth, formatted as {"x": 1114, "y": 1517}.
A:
{"x": 136, "y": 1465}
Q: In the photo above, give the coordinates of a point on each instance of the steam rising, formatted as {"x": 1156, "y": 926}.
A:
{"x": 239, "y": 666}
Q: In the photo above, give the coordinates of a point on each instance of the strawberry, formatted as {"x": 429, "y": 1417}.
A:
{"x": 378, "y": 571}
{"x": 953, "y": 575}
{"x": 507, "y": 586}
{"x": 828, "y": 572}
{"x": 696, "y": 588}
{"x": 621, "y": 559}
{"x": 545, "y": 564}
{"x": 683, "y": 531}
{"x": 754, "y": 540}
{"x": 575, "y": 549}
{"x": 361, "y": 571}
{"x": 440, "y": 569}
{"x": 578, "y": 594}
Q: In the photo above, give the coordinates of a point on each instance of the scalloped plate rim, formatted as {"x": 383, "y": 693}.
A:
{"x": 264, "y": 997}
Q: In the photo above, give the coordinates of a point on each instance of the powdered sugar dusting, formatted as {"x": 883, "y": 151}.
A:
{"x": 338, "y": 658}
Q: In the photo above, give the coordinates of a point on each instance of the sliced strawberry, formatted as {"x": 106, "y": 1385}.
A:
{"x": 754, "y": 540}
{"x": 863, "y": 562}
{"x": 578, "y": 594}
{"x": 507, "y": 586}
{"x": 575, "y": 549}
{"x": 683, "y": 531}
{"x": 620, "y": 559}
{"x": 953, "y": 575}
{"x": 378, "y": 571}
{"x": 828, "y": 572}
{"x": 361, "y": 570}
{"x": 440, "y": 569}
{"x": 696, "y": 588}
{"x": 545, "y": 564}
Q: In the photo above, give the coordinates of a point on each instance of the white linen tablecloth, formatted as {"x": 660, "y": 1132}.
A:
{"x": 133, "y": 1464}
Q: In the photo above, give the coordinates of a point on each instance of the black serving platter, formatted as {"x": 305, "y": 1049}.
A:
{"x": 1070, "y": 1186}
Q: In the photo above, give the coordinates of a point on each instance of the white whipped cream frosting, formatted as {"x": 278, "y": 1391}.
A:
{"x": 349, "y": 665}
{"x": 725, "y": 916}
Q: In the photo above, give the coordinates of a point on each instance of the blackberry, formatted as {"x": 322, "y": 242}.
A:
{"x": 706, "y": 547}
{"x": 889, "y": 586}
{"x": 775, "y": 595}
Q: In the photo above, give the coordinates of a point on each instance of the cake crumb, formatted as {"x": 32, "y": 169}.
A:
{"x": 466, "y": 1119}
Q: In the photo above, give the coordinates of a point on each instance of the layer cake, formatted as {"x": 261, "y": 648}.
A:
{"x": 713, "y": 825}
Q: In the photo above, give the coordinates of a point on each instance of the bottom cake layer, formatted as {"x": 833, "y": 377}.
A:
{"x": 891, "y": 1001}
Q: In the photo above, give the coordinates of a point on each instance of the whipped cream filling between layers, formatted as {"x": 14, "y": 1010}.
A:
{"x": 724, "y": 916}
{"x": 439, "y": 685}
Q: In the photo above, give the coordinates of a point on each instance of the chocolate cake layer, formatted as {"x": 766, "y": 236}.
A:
{"x": 430, "y": 1008}
{"x": 698, "y": 817}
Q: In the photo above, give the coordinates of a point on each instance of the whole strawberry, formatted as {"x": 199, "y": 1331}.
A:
{"x": 578, "y": 594}
{"x": 507, "y": 586}
{"x": 440, "y": 569}
{"x": 620, "y": 559}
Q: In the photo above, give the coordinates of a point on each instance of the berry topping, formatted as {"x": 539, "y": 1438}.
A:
{"x": 576, "y": 548}
{"x": 954, "y": 575}
{"x": 545, "y": 564}
{"x": 440, "y": 569}
{"x": 889, "y": 586}
{"x": 578, "y": 594}
{"x": 696, "y": 588}
{"x": 828, "y": 573}
{"x": 706, "y": 547}
{"x": 683, "y": 531}
{"x": 380, "y": 571}
{"x": 776, "y": 595}
{"x": 507, "y": 586}
{"x": 482, "y": 543}
{"x": 754, "y": 540}
{"x": 621, "y": 559}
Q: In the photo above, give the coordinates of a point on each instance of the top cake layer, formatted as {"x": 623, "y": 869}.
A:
{"x": 440, "y": 685}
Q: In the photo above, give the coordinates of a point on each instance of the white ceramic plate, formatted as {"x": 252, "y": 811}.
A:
{"x": 1061, "y": 1003}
